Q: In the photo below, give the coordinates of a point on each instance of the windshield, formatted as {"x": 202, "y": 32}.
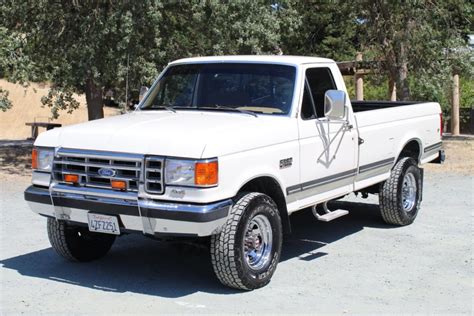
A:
{"x": 257, "y": 88}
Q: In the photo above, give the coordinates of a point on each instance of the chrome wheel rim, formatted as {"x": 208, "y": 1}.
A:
{"x": 258, "y": 242}
{"x": 409, "y": 192}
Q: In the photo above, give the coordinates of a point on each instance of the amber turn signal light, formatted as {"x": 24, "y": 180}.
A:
{"x": 118, "y": 184}
{"x": 34, "y": 159}
{"x": 206, "y": 173}
{"x": 72, "y": 178}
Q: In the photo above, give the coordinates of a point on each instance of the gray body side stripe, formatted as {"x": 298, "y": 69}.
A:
{"x": 433, "y": 147}
{"x": 376, "y": 164}
{"x": 321, "y": 181}
{"x": 336, "y": 177}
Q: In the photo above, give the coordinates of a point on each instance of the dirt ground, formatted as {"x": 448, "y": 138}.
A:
{"x": 15, "y": 162}
{"x": 459, "y": 158}
{"x": 27, "y": 107}
{"x": 353, "y": 265}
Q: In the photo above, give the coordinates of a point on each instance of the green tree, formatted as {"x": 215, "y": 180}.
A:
{"x": 14, "y": 64}
{"x": 203, "y": 28}
{"x": 325, "y": 29}
{"x": 85, "y": 46}
{"x": 421, "y": 37}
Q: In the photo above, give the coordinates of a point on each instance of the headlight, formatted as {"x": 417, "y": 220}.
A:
{"x": 179, "y": 172}
{"x": 201, "y": 173}
{"x": 42, "y": 159}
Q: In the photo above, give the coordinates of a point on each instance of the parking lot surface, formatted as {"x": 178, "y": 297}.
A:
{"x": 355, "y": 264}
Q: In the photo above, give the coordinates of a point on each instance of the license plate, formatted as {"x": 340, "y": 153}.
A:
{"x": 107, "y": 224}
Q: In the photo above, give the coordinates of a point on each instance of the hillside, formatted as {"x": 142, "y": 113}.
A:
{"x": 27, "y": 107}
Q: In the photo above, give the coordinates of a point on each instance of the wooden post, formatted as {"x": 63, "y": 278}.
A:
{"x": 455, "y": 106}
{"x": 359, "y": 81}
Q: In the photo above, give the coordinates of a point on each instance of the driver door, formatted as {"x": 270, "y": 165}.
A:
{"x": 328, "y": 149}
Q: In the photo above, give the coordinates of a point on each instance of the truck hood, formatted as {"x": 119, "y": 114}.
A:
{"x": 192, "y": 134}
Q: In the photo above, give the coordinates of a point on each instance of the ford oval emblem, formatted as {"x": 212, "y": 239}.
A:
{"x": 105, "y": 172}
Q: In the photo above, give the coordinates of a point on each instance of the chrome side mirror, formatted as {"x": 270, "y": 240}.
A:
{"x": 335, "y": 104}
{"x": 143, "y": 91}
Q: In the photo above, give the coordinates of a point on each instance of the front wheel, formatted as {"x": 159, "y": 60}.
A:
{"x": 246, "y": 252}
{"x": 400, "y": 195}
{"x": 77, "y": 243}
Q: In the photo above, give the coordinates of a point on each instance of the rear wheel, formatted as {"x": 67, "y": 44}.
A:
{"x": 400, "y": 195}
{"x": 77, "y": 243}
{"x": 246, "y": 252}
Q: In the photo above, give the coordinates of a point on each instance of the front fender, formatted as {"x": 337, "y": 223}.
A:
{"x": 238, "y": 169}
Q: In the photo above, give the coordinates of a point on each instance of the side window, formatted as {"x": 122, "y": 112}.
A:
{"x": 320, "y": 80}
{"x": 307, "y": 108}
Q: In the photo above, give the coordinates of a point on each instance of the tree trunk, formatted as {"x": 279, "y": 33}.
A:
{"x": 403, "y": 89}
{"x": 392, "y": 89}
{"x": 95, "y": 107}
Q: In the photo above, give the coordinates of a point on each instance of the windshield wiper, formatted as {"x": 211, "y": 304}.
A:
{"x": 158, "y": 107}
{"x": 228, "y": 108}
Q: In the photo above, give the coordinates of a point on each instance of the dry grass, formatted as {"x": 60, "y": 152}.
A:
{"x": 27, "y": 107}
{"x": 459, "y": 158}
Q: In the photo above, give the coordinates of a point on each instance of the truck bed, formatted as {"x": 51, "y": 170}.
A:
{"x": 386, "y": 127}
{"x": 361, "y": 106}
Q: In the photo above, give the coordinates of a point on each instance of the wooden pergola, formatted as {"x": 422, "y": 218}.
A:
{"x": 359, "y": 68}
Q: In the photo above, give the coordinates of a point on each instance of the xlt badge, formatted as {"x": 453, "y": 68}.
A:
{"x": 286, "y": 163}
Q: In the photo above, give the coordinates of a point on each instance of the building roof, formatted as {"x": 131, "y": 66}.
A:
{"x": 278, "y": 59}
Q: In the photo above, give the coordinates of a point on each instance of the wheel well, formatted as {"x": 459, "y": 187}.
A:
{"x": 411, "y": 149}
{"x": 270, "y": 187}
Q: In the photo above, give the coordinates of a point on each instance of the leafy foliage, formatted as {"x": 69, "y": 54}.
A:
{"x": 91, "y": 47}
{"x": 419, "y": 37}
{"x": 467, "y": 92}
{"x": 5, "y": 103}
{"x": 75, "y": 42}
{"x": 326, "y": 29}
{"x": 60, "y": 99}
{"x": 96, "y": 46}
{"x": 14, "y": 64}
{"x": 375, "y": 87}
{"x": 217, "y": 28}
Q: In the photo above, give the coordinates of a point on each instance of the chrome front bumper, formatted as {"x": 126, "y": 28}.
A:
{"x": 148, "y": 216}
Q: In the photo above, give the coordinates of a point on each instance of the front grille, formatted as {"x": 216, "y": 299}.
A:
{"x": 86, "y": 164}
{"x": 154, "y": 175}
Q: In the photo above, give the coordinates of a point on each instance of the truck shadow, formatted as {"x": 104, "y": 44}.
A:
{"x": 145, "y": 266}
{"x": 309, "y": 235}
{"x": 15, "y": 160}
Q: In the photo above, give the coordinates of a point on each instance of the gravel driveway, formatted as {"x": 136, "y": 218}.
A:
{"x": 356, "y": 264}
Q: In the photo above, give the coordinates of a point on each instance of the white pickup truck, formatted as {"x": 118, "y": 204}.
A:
{"x": 227, "y": 148}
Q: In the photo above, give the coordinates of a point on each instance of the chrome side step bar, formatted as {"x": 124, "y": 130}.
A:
{"x": 329, "y": 215}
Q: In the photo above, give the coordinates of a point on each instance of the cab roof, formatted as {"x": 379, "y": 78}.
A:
{"x": 276, "y": 59}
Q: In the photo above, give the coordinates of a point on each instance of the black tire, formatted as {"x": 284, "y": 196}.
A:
{"x": 394, "y": 207}
{"x": 229, "y": 260}
{"x": 77, "y": 243}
